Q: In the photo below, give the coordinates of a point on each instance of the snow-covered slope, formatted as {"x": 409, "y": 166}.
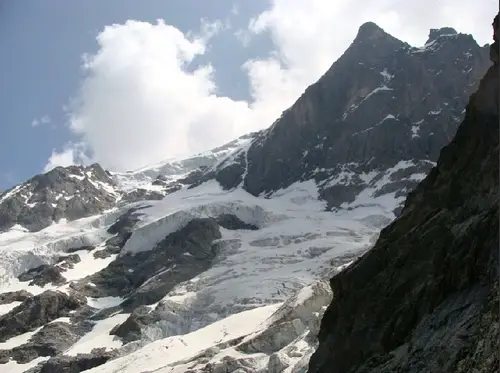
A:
{"x": 175, "y": 169}
{"x": 289, "y": 241}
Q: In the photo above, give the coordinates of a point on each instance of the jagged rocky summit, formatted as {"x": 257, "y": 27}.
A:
{"x": 383, "y": 110}
{"x": 426, "y": 297}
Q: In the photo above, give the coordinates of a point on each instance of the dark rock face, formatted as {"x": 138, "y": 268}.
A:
{"x": 4, "y": 356}
{"x": 125, "y": 223}
{"x": 232, "y": 222}
{"x": 148, "y": 276}
{"x": 425, "y": 298}
{"x": 51, "y": 340}
{"x": 73, "y": 192}
{"x": 131, "y": 329}
{"x": 35, "y": 312}
{"x": 74, "y": 364}
{"x": 68, "y": 261}
{"x": 75, "y": 249}
{"x": 122, "y": 229}
{"x": 43, "y": 275}
{"x": 14, "y": 296}
{"x": 381, "y": 103}
{"x": 141, "y": 194}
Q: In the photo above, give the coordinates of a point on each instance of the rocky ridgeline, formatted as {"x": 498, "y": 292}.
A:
{"x": 76, "y": 192}
{"x": 425, "y": 298}
{"x": 376, "y": 119}
{"x": 71, "y": 193}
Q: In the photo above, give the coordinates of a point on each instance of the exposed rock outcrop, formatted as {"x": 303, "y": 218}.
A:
{"x": 73, "y": 192}
{"x": 141, "y": 194}
{"x": 146, "y": 277}
{"x": 122, "y": 230}
{"x": 68, "y": 261}
{"x": 43, "y": 275}
{"x": 14, "y": 296}
{"x": 35, "y": 312}
{"x": 53, "y": 339}
{"x": 425, "y": 298}
{"x": 80, "y": 248}
{"x": 74, "y": 364}
{"x": 232, "y": 222}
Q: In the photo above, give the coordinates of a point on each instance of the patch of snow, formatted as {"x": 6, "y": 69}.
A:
{"x": 14, "y": 367}
{"x": 386, "y": 203}
{"x": 415, "y": 130}
{"x": 62, "y": 319}
{"x": 23, "y": 250}
{"x": 99, "y": 336}
{"x": 181, "y": 297}
{"x": 430, "y": 46}
{"x": 18, "y": 340}
{"x": 104, "y": 302}
{"x": 174, "y": 169}
{"x": 77, "y": 177}
{"x": 177, "y": 209}
{"x": 6, "y": 308}
{"x": 11, "y": 192}
{"x": 387, "y": 77}
{"x": 342, "y": 178}
{"x": 304, "y": 294}
{"x": 418, "y": 177}
{"x": 88, "y": 265}
{"x": 152, "y": 278}
{"x": 367, "y": 177}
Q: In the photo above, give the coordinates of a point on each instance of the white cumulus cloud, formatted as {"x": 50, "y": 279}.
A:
{"x": 143, "y": 99}
{"x": 71, "y": 154}
{"x": 43, "y": 120}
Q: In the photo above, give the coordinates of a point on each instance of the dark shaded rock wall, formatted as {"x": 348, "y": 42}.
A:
{"x": 425, "y": 298}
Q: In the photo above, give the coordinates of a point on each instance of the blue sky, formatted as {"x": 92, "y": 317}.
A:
{"x": 255, "y": 62}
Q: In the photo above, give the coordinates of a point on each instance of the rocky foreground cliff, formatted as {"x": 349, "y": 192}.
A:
{"x": 426, "y": 297}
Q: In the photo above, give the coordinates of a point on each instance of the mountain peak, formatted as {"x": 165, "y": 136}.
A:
{"x": 369, "y": 31}
{"x": 435, "y": 33}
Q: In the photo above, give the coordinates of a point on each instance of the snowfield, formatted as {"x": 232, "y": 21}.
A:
{"x": 226, "y": 311}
